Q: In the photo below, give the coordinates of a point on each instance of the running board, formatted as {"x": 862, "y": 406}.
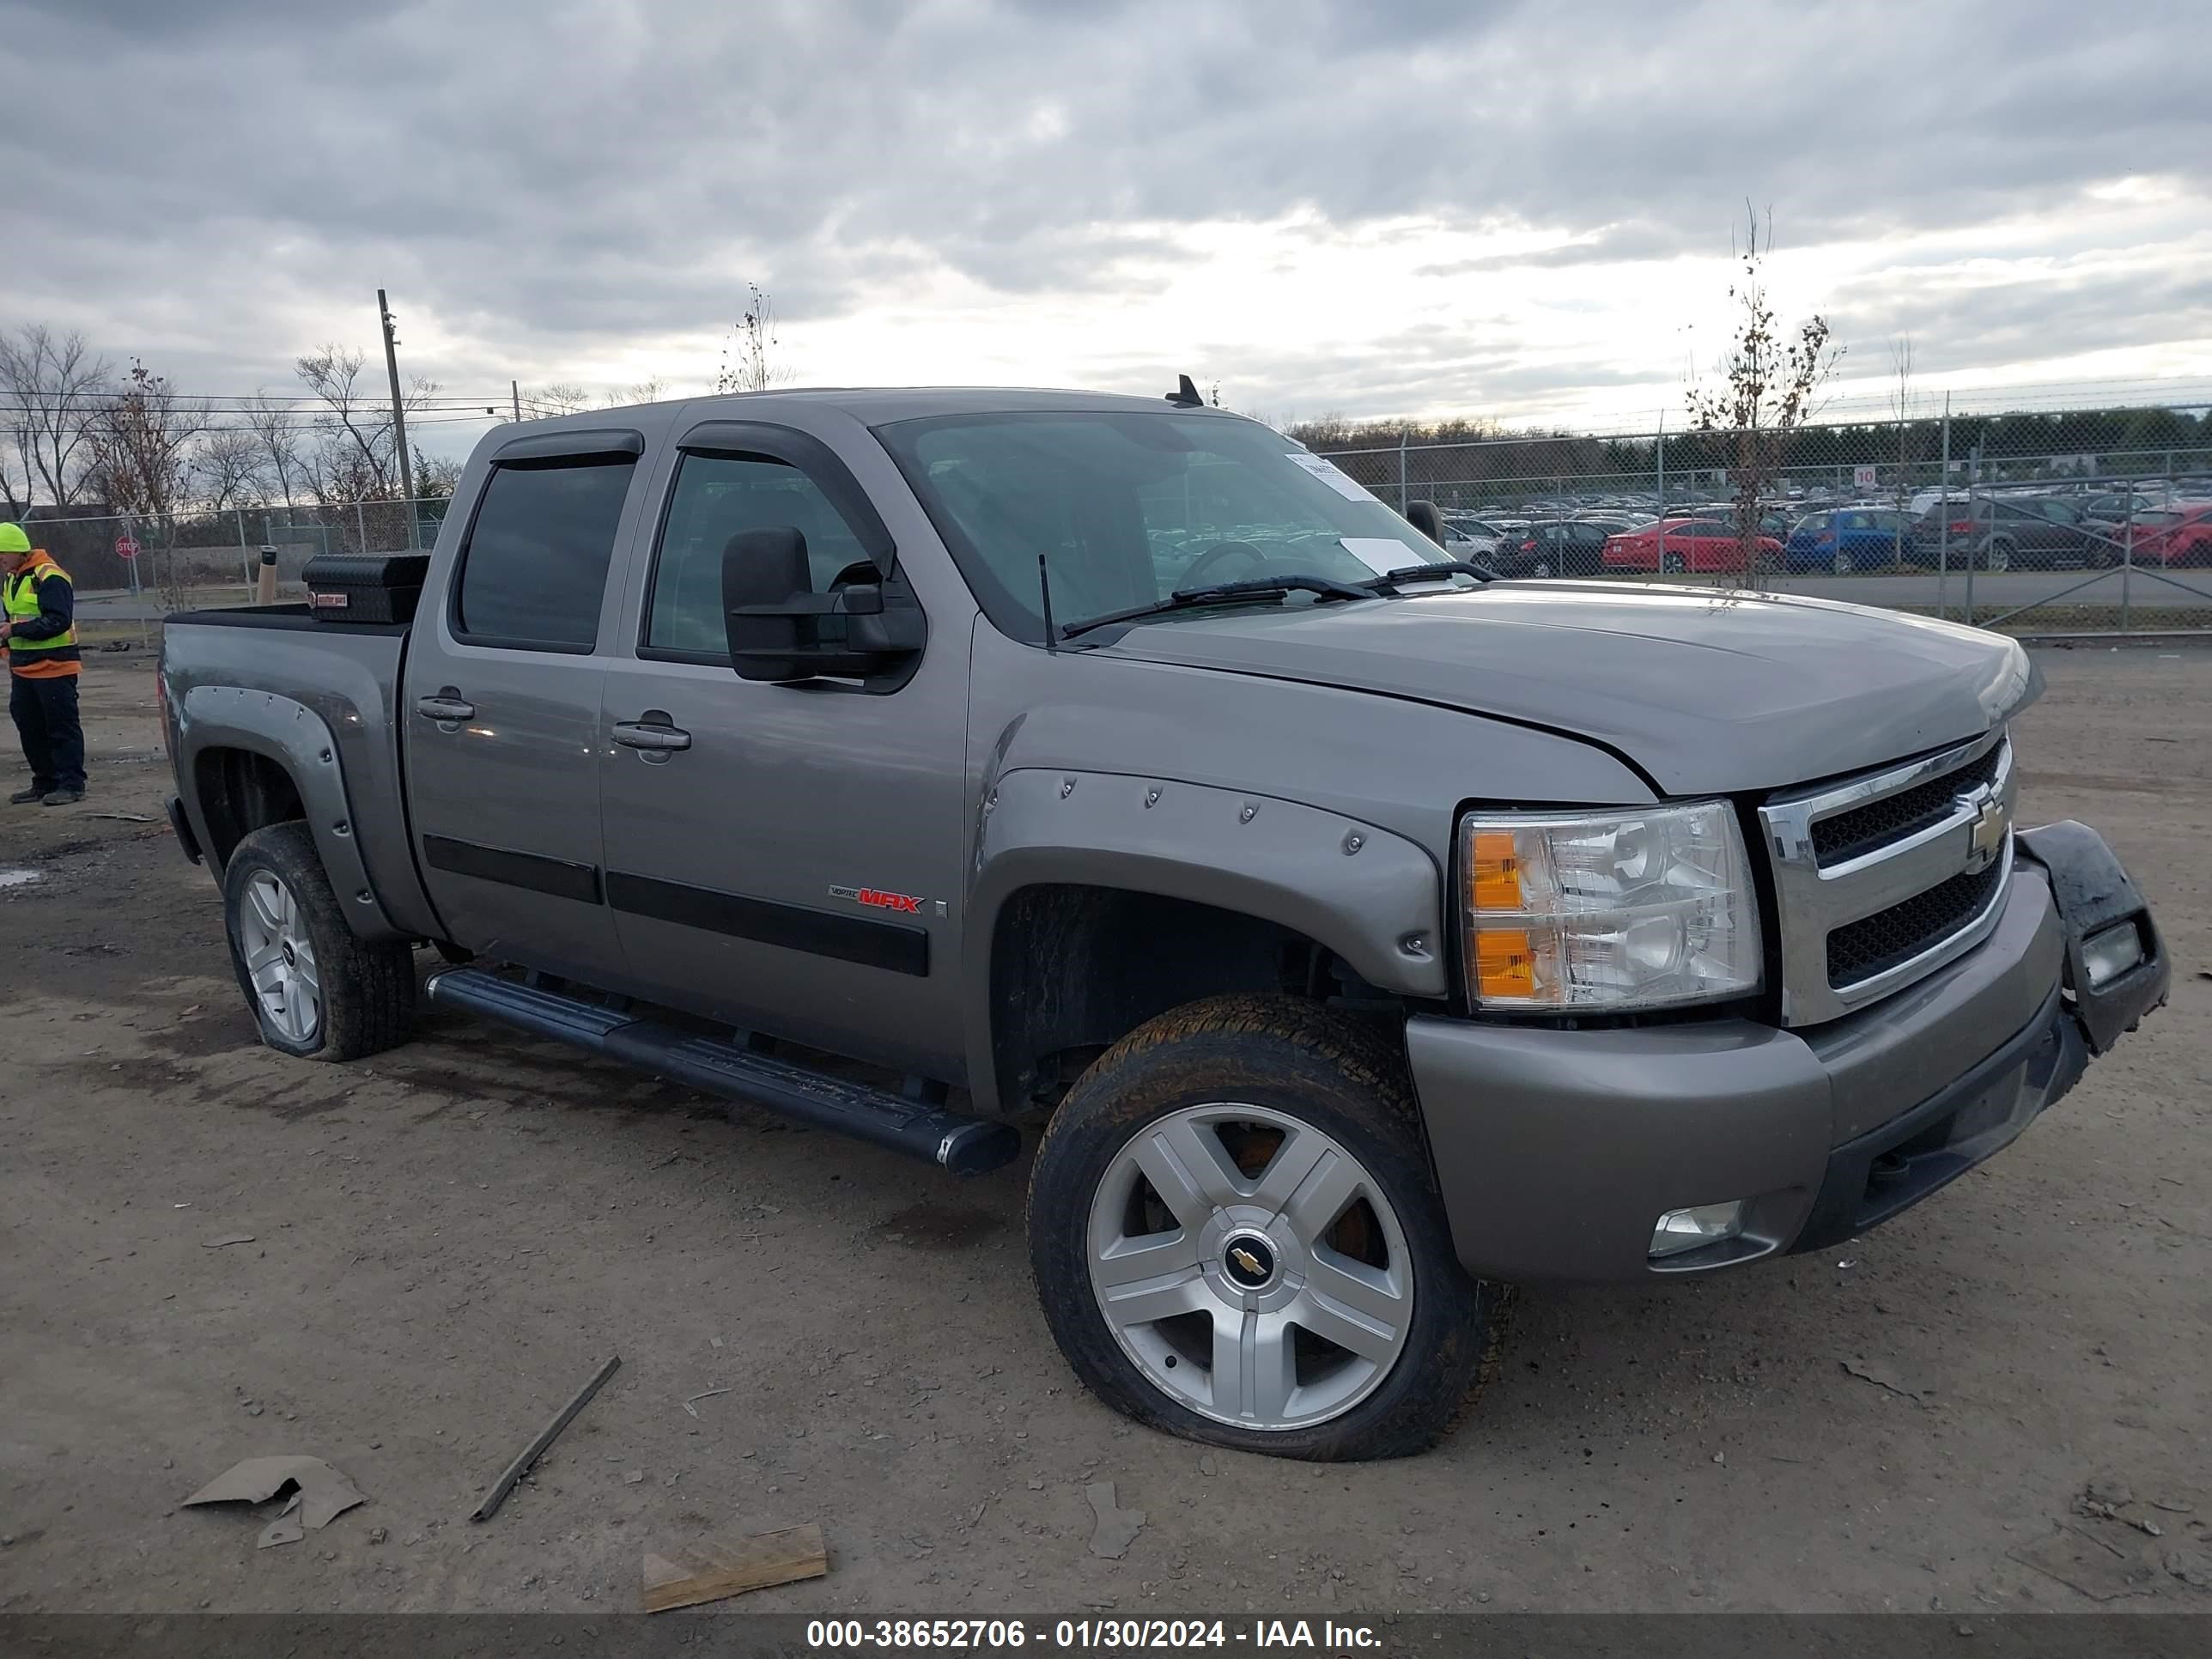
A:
{"x": 964, "y": 1145}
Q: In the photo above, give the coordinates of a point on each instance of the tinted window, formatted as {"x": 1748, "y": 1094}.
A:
{"x": 2061, "y": 513}
{"x": 536, "y": 563}
{"x": 718, "y": 496}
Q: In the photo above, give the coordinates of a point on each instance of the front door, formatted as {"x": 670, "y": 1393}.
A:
{"x": 786, "y": 859}
{"x": 500, "y": 706}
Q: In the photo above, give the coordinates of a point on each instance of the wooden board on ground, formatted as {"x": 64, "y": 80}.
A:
{"x": 712, "y": 1569}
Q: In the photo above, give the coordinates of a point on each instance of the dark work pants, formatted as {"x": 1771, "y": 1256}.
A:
{"x": 44, "y": 712}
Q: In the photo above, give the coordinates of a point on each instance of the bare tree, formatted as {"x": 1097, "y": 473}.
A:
{"x": 353, "y": 459}
{"x": 54, "y": 385}
{"x": 1772, "y": 376}
{"x": 227, "y": 469}
{"x": 560, "y": 397}
{"x": 650, "y": 390}
{"x": 142, "y": 441}
{"x": 274, "y": 427}
{"x": 749, "y": 355}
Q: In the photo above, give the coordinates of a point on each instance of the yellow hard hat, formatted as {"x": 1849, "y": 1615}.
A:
{"x": 13, "y": 540}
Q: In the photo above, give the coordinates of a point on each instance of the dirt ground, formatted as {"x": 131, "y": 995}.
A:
{"x": 445, "y": 1242}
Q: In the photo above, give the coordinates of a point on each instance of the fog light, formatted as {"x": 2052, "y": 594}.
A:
{"x": 2108, "y": 955}
{"x": 1687, "y": 1229}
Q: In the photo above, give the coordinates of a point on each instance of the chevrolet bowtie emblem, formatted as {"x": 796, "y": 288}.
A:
{"x": 1988, "y": 840}
{"x": 1248, "y": 1261}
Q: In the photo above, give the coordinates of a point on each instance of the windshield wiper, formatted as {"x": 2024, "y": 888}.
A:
{"x": 1413, "y": 573}
{"x": 1255, "y": 587}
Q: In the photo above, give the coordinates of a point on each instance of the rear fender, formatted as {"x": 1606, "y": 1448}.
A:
{"x": 294, "y": 737}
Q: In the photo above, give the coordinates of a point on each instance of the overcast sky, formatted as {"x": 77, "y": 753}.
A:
{"x": 1393, "y": 207}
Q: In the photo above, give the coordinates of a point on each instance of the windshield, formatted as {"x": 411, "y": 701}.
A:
{"x": 1127, "y": 507}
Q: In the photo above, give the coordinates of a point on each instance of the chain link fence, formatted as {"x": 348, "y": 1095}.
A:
{"x": 136, "y": 568}
{"x": 2037, "y": 524}
{"x": 2096, "y": 522}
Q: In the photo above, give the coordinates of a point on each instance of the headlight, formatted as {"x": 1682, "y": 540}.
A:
{"x": 1612, "y": 910}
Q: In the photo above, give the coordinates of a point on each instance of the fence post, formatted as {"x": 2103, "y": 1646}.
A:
{"x": 2127, "y": 560}
{"x": 360, "y": 525}
{"x": 1943, "y": 519}
{"x": 1973, "y": 520}
{"x": 246, "y": 559}
{"x": 1402, "y": 499}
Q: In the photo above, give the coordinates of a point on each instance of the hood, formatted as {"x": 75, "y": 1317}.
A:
{"x": 1709, "y": 692}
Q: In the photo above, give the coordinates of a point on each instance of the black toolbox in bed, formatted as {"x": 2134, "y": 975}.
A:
{"x": 365, "y": 587}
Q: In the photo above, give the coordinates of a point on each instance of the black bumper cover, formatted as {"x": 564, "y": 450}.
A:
{"x": 1873, "y": 1178}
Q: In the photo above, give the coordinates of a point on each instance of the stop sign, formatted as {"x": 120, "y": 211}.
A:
{"x": 126, "y": 546}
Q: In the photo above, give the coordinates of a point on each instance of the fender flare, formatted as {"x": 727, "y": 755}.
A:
{"x": 289, "y": 732}
{"x": 1370, "y": 895}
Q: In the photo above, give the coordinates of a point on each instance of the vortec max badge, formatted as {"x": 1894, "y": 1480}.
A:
{"x": 908, "y": 904}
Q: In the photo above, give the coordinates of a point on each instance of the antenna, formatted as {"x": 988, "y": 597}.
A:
{"x": 1044, "y": 596}
{"x": 1185, "y": 396}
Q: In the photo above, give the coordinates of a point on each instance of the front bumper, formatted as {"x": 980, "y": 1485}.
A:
{"x": 1557, "y": 1152}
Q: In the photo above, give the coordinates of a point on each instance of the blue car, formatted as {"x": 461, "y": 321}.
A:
{"x": 1847, "y": 538}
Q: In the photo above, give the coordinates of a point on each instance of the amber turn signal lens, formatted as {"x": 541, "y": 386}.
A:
{"x": 1504, "y": 966}
{"x": 1497, "y": 871}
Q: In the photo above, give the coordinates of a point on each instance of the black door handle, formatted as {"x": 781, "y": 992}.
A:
{"x": 652, "y": 735}
{"x": 448, "y": 705}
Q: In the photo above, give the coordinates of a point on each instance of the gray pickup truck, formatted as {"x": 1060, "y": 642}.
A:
{"x": 1361, "y": 934}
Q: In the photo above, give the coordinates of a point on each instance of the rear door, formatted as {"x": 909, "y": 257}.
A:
{"x": 501, "y": 705}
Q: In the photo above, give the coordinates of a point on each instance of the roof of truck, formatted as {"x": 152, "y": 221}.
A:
{"x": 877, "y": 405}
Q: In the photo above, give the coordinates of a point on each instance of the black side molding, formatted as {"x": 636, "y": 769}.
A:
{"x": 554, "y": 877}
{"x": 952, "y": 1140}
{"x": 768, "y": 921}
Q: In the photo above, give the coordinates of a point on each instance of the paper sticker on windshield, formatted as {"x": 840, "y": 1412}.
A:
{"x": 1332, "y": 476}
{"x": 1380, "y": 554}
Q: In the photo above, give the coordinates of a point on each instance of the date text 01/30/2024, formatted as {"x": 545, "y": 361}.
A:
{"x": 1094, "y": 1635}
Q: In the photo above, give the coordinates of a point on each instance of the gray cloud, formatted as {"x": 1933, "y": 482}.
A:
{"x": 546, "y": 178}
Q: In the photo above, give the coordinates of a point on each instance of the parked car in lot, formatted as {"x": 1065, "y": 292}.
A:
{"x": 1354, "y": 934}
{"x": 1847, "y": 538}
{"x": 1676, "y": 546}
{"x": 2005, "y": 532}
{"x": 1553, "y": 547}
{"x": 2179, "y": 535}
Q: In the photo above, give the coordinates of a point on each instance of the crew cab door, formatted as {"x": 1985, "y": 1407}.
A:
{"x": 500, "y": 706}
{"x": 783, "y": 858}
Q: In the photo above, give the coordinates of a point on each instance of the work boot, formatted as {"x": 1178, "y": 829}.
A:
{"x": 25, "y": 797}
{"x": 63, "y": 797}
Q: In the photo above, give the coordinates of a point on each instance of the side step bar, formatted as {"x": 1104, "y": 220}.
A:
{"x": 965, "y": 1145}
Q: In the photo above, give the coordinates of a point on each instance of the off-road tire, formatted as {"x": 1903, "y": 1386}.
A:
{"x": 367, "y": 990}
{"x": 1342, "y": 1077}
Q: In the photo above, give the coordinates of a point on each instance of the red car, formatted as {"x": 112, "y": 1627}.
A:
{"x": 1691, "y": 544}
{"x": 2177, "y": 535}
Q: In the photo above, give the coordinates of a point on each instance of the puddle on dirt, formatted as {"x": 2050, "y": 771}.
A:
{"x": 19, "y": 878}
{"x": 938, "y": 1226}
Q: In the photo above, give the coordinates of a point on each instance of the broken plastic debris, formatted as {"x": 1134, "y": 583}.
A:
{"x": 323, "y": 1494}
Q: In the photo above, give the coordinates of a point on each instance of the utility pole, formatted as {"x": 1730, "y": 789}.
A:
{"x": 398, "y": 418}
{"x": 514, "y": 390}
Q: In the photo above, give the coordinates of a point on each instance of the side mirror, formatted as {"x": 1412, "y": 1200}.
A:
{"x": 780, "y": 631}
{"x": 1424, "y": 517}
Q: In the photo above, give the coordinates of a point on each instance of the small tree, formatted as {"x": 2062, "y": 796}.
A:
{"x": 1904, "y": 402}
{"x": 141, "y": 458}
{"x": 749, "y": 355}
{"x": 1772, "y": 377}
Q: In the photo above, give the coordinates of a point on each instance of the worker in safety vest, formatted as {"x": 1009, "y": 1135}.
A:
{"x": 39, "y": 632}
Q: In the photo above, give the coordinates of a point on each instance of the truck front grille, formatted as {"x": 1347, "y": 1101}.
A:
{"x": 1883, "y": 878}
{"x": 1847, "y": 835}
{"x": 1875, "y": 943}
